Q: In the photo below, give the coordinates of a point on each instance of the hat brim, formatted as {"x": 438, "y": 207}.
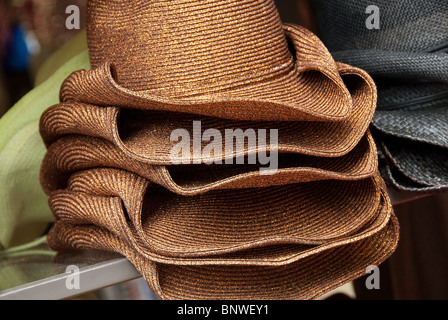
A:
{"x": 222, "y": 221}
{"x": 415, "y": 166}
{"x": 268, "y": 254}
{"x": 426, "y": 125}
{"x": 312, "y": 90}
{"x": 305, "y": 277}
{"x": 145, "y": 135}
{"x": 76, "y": 153}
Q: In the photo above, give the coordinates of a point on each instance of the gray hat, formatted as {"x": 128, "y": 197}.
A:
{"x": 403, "y": 44}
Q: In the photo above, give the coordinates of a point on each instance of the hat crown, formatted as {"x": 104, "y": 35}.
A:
{"x": 187, "y": 47}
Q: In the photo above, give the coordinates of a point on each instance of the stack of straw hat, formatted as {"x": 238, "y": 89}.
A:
{"x": 216, "y": 231}
{"x": 406, "y": 54}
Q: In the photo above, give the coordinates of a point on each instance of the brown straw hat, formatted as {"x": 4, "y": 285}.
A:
{"x": 306, "y": 278}
{"x": 226, "y": 59}
{"x": 76, "y": 153}
{"x": 284, "y": 272}
{"x": 145, "y": 136}
{"x": 269, "y": 255}
{"x": 216, "y": 231}
{"x": 213, "y": 223}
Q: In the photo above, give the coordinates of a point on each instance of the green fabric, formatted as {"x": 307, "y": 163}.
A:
{"x": 26, "y": 263}
{"x": 71, "y": 49}
{"x": 22, "y": 150}
{"x": 21, "y": 198}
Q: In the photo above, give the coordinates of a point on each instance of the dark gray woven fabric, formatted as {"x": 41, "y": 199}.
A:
{"x": 418, "y": 161}
{"x": 405, "y": 25}
{"x": 408, "y": 58}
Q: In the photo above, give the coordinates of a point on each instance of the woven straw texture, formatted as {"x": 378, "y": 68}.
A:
{"x": 207, "y": 229}
{"x": 206, "y": 247}
{"x": 407, "y": 57}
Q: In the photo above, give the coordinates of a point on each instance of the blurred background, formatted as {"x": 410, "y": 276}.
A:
{"x": 31, "y": 30}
